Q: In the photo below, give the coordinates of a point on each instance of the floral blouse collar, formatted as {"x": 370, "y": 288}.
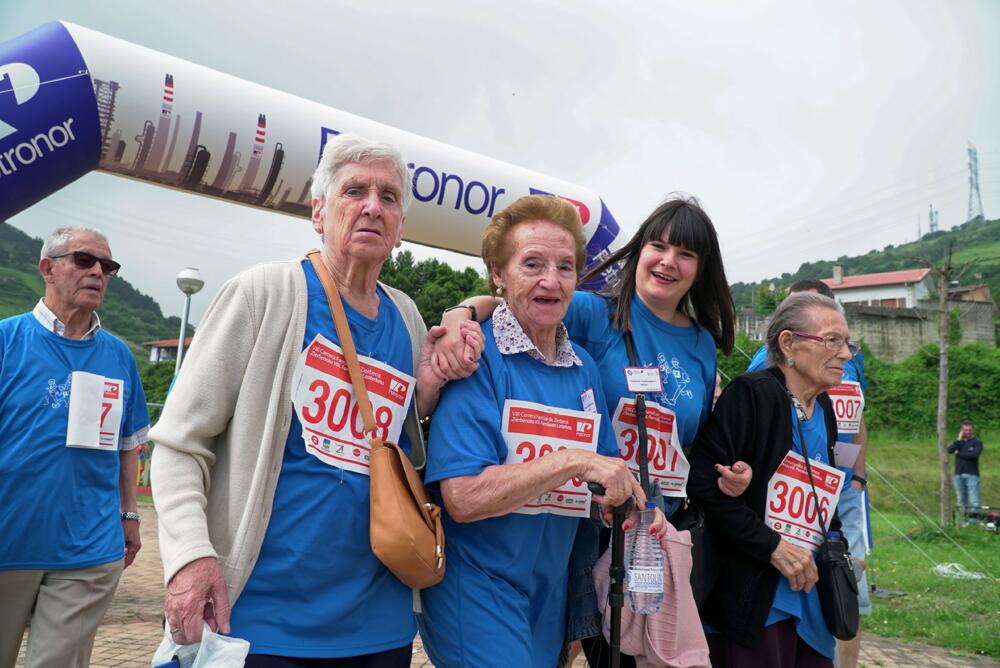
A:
{"x": 511, "y": 340}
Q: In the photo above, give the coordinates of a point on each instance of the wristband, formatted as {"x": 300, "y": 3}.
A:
{"x": 863, "y": 481}
{"x": 472, "y": 310}
{"x": 131, "y": 516}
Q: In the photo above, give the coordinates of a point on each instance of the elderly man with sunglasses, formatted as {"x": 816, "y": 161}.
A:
{"x": 72, "y": 414}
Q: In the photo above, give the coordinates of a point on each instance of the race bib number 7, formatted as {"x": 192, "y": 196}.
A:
{"x": 792, "y": 510}
{"x": 668, "y": 467}
{"x": 95, "y": 411}
{"x": 534, "y": 430}
{"x": 332, "y": 425}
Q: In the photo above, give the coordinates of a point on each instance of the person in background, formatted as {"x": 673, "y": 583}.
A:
{"x": 848, "y": 397}
{"x": 967, "y": 449}
{"x": 72, "y": 416}
{"x": 764, "y": 610}
{"x": 260, "y": 472}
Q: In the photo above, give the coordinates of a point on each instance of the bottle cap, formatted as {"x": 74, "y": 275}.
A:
{"x": 650, "y": 505}
{"x": 833, "y": 534}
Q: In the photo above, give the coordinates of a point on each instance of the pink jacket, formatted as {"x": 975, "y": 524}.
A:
{"x": 673, "y": 636}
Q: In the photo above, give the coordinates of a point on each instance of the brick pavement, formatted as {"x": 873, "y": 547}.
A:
{"x": 131, "y": 630}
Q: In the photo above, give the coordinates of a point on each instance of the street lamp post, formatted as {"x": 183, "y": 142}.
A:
{"x": 189, "y": 281}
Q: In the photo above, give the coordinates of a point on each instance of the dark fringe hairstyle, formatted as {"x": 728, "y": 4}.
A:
{"x": 709, "y": 302}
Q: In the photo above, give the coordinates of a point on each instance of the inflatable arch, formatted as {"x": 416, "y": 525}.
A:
{"x": 73, "y": 100}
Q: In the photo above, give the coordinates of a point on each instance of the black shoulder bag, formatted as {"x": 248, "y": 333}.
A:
{"x": 689, "y": 516}
{"x": 837, "y": 587}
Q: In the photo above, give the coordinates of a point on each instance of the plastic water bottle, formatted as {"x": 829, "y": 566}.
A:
{"x": 644, "y": 575}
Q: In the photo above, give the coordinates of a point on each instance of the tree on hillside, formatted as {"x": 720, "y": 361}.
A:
{"x": 432, "y": 284}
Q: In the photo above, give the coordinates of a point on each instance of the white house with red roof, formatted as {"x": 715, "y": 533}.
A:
{"x": 895, "y": 289}
{"x": 165, "y": 350}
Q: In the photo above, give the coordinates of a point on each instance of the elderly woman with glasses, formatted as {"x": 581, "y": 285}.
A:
{"x": 764, "y": 609}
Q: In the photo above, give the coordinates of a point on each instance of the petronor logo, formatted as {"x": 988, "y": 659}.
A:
{"x": 24, "y": 83}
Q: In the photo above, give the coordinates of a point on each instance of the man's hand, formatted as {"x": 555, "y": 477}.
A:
{"x": 734, "y": 480}
{"x": 796, "y": 564}
{"x": 195, "y": 594}
{"x": 133, "y": 543}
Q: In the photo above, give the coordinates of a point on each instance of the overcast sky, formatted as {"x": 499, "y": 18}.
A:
{"x": 809, "y": 130}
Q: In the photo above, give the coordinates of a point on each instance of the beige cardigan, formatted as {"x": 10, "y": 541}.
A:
{"x": 221, "y": 437}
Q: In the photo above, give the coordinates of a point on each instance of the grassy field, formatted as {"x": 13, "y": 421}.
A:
{"x": 963, "y": 615}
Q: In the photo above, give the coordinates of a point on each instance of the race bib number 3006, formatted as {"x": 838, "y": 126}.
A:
{"x": 792, "y": 509}
{"x": 332, "y": 426}
{"x": 534, "y": 430}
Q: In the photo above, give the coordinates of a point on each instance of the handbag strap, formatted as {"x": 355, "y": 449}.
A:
{"x": 640, "y": 419}
{"x": 346, "y": 344}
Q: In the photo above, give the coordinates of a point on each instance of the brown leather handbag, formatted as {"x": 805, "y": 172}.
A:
{"x": 405, "y": 526}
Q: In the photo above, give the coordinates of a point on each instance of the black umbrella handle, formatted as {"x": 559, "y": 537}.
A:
{"x": 616, "y": 592}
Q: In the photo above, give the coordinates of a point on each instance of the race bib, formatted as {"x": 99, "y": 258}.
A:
{"x": 668, "y": 467}
{"x": 792, "y": 509}
{"x": 332, "y": 426}
{"x": 95, "y": 411}
{"x": 534, "y": 430}
{"x": 848, "y": 404}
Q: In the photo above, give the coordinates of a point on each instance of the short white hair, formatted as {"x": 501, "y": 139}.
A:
{"x": 795, "y": 314}
{"x": 57, "y": 242}
{"x": 351, "y": 149}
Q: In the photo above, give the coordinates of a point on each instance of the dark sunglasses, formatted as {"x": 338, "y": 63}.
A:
{"x": 85, "y": 260}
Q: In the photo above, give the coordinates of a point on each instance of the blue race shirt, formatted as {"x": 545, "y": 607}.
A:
{"x": 805, "y": 608}
{"x": 503, "y": 598}
{"x": 685, "y": 356}
{"x": 316, "y": 589}
{"x": 59, "y": 506}
{"x": 854, "y": 371}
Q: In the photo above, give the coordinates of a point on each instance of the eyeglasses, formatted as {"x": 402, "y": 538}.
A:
{"x": 832, "y": 342}
{"x": 85, "y": 260}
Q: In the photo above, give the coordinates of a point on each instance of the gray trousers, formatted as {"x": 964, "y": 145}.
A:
{"x": 64, "y": 609}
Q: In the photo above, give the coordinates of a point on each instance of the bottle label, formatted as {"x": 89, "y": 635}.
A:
{"x": 645, "y": 580}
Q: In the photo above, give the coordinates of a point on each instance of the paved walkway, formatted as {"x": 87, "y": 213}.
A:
{"x": 131, "y": 631}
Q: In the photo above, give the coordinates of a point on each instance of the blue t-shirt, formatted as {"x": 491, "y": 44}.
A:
{"x": 805, "y": 608}
{"x": 854, "y": 371}
{"x": 59, "y": 507}
{"x": 503, "y": 598}
{"x": 685, "y": 356}
{"x": 316, "y": 589}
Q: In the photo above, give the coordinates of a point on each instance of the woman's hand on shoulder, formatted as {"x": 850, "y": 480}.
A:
{"x": 734, "y": 480}
{"x": 796, "y": 564}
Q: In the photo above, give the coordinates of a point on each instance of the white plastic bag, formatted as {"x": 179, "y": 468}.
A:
{"x": 214, "y": 651}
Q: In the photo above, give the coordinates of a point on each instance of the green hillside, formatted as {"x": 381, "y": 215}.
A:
{"x": 126, "y": 312}
{"x": 975, "y": 241}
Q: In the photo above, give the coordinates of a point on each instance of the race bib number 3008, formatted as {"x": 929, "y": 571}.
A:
{"x": 332, "y": 426}
{"x": 534, "y": 430}
{"x": 792, "y": 509}
{"x": 668, "y": 467}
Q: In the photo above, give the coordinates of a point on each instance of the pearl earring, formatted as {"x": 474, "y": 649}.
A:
{"x": 790, "y": 362}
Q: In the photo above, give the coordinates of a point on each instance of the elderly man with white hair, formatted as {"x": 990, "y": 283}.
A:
{"x": 72, "y": 414}
{"x": 255, "y": 512}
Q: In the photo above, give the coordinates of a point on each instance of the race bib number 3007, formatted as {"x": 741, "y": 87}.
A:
{"x": 848, "y": 405}
{"x": 668, "y": 467}
{"x": 534, "y": 430}
{"x": 792, "y": 510}
{"x": 332, "y": 426}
